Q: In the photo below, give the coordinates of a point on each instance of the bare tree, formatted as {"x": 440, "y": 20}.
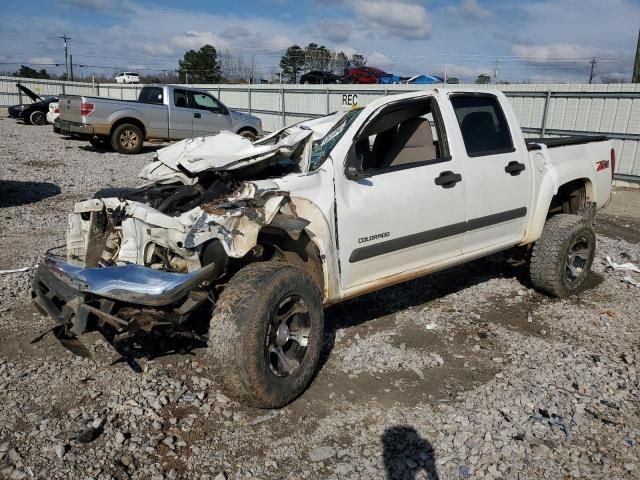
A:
{"x": 234, "y": 69}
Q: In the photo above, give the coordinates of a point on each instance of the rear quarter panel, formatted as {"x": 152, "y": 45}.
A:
{"x": 571, "y": 162}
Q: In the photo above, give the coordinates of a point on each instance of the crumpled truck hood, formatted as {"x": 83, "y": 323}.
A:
{"x": 230, "y": 151}
{"x": 224, "y": 151}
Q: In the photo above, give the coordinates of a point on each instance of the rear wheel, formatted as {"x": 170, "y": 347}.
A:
{"x": 562, "y": 256}
{"x": 266, "y": 334}
{"x": 38, "y": 118}
{"x": 127, "y": 138}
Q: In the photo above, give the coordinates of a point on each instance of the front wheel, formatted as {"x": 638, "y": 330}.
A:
{"x": 127, "y": 138}
{"x": 248, "y": 134}
{"x": 562, "y": 256}
{"x": 266, "y": 334}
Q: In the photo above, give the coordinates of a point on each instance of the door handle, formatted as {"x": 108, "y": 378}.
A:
{"x": 514, "y": 168}
{"x": 196, "y": 115}
{"x": 448, "y": 179}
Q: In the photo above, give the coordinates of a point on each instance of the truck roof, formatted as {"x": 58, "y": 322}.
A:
{"x": 430, "y": 91}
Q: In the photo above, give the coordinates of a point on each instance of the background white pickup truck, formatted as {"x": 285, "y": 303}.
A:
{"x": 164, "y": 112}
{"x": 320, "y": 212}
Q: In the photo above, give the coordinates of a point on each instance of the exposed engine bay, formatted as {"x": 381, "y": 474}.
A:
{"x": 154, "y": 255}
{"x": 205, "y": 198}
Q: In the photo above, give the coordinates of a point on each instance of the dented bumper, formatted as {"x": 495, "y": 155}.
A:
{"x": 68, "y": 293}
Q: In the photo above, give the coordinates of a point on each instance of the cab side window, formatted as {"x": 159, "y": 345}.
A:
{"x": 484, "y": 128}
{"x": 403, "y": 136}
{"x": 204, "y": 102}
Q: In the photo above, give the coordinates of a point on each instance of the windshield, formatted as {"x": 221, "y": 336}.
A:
{"x": 323, "y": 147}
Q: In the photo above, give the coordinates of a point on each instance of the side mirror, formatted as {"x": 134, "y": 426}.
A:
{"x": 352, "y": 173}
{"x": 351, "y": 170}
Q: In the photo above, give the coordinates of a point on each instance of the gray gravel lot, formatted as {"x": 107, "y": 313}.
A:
{"x": 467, "y": 373}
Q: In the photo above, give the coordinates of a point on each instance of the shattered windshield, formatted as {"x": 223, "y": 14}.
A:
{"x": 322, "y": 148}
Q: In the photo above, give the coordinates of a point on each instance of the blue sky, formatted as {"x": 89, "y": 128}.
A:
{"x": 540, "y": 40}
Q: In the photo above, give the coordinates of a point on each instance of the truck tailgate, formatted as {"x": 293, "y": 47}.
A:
{"x": 70, "y": 108}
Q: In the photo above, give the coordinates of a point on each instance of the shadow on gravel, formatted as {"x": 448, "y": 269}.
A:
{"x": 145, "y": 149}
{"x": 406, "y": 454}
{"x": 507, "y": 264}
{"x": 157, "y": 343}
{"x": 14, "y": 193}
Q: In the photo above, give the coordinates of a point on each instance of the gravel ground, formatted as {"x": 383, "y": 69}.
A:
{"x": 467, "y": 373}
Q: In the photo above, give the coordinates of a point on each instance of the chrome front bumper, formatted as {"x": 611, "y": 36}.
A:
{"x": 69, "y": 293}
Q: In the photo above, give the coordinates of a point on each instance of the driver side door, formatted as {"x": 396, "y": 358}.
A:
{"x": 401, "y": 200}
{"x": 210, "y": 116}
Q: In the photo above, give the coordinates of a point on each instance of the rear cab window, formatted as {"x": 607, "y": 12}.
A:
{"x": 484, "y": 128}
{"x": 180, "y": 98}
{"x": 151, "y": 95}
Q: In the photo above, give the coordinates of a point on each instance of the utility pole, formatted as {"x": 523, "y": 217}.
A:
{"x": 71, "y": 67}
{"x": 636, "y": 66}
{"x": 592, "y": 73}
{"x": 446, "y": 67}
{"x": 253, "y": 66}
{"x": 66, "y": 54}
{"x": 495, "y": 70}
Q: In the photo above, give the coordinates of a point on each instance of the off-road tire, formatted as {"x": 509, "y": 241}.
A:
{"x": 37, "y": 118}
{"x": 127, "y": 138}
{"x": 239, "y": 333}
{"x": 246, "y": 133}
{"x": 549, "y": 259}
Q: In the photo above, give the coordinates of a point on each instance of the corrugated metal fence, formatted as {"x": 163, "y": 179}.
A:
{"x": 543, "y": 109}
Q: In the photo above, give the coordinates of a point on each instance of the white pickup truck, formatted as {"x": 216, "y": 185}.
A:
{"x": 162, "y": 112}
{"x": 259, "y": 237}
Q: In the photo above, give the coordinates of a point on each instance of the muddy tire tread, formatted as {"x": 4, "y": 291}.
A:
{"x": 547, "y": 258}
{"x": 234, "y": 329}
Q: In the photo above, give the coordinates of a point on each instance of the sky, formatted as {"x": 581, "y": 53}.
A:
{"x": 532, "y": 41}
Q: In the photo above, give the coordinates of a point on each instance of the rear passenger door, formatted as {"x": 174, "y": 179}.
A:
{"x": 498, "y": 174}
{"x": 180, "y": 115}
{"x": 210, "y": 116}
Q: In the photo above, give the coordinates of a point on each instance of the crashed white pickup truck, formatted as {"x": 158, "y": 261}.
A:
{"x": 260, "y": 236}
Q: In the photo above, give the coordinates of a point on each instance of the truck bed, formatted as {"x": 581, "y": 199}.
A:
{"x": 563, "y": 141}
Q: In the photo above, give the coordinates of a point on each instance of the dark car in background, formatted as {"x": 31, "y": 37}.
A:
{"x": 364, "y": 75}
{"x": 32, "y": 113}
{"x": 318, "y": 78}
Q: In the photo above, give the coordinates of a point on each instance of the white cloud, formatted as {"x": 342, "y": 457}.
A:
{"x": 158, "y": 49}
{"x": 464, "y": 72}
{"x": 380, "y": 60}
{"x": 471, "y": 10}
{"x": 335, "y": 30}
{"x": 237, "y": 31}
{"x": 42, "y": 60}
{"x": 196, "y": 40}
{"x": 275, "y": 43}
{"x": 115, "y": 6}
{"x": 557, "y": 52}
{"x": 396, "y": 18}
